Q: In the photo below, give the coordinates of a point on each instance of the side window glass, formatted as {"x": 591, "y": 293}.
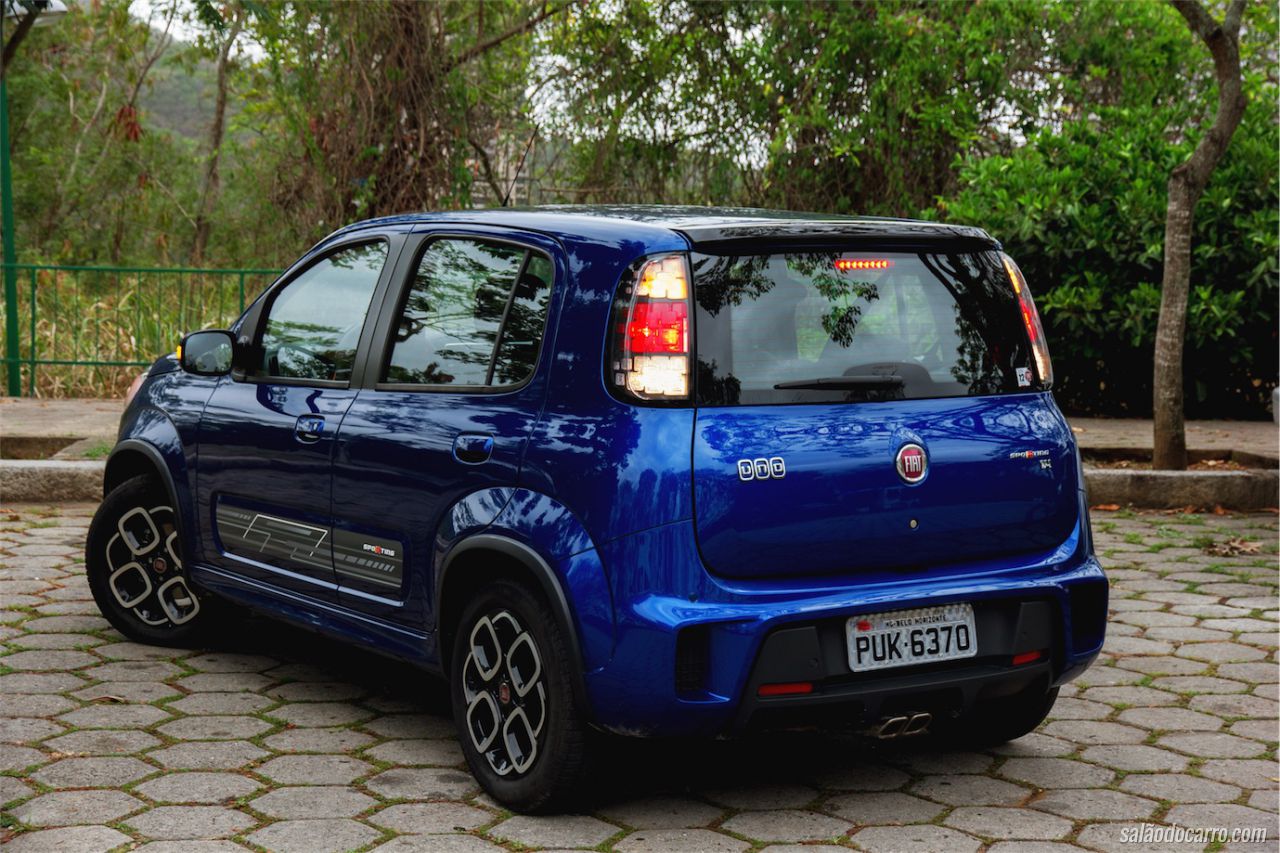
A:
{"x": 313, "y": 325}
{"x": 474, "y": 316}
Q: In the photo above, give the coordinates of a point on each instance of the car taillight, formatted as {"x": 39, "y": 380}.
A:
{"x": 650, "y": 351}
{"x": 1031, "y": 321}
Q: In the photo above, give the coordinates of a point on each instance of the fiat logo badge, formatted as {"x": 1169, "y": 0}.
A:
{"x": 912, "y": 463}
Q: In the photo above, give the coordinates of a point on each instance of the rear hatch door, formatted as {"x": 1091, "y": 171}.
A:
{"x": 865, "y": 411}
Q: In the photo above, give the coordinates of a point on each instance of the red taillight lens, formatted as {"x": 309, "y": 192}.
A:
{"x": 1030, "y": 321}
{"x": 651, "y": 348}
{"x": 659, "y": 327}
{"x": 1026, "y": 657}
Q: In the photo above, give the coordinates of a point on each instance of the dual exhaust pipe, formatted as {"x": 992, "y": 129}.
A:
{"x": 903, "y": 725}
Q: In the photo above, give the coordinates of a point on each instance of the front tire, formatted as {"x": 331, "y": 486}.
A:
{"x": 134, "y": 562}
{"x": 515, "y": 701}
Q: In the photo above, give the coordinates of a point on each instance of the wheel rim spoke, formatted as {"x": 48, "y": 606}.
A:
{"x": 506, "y": 700}
{"x": 144, "y": 568}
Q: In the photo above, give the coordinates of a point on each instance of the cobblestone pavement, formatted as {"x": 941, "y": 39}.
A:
{"x": 277, "y": 740}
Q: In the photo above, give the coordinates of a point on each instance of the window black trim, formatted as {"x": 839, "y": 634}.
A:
{"x": 396, "y": 296}
{"x": 261, "y": 310}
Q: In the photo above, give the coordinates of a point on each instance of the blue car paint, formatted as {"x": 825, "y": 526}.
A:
{"x": 604, "y": 491}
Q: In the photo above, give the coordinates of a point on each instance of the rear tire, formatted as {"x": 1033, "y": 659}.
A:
{"x": 134, "y": 563}
{"x": 513, "y": 688}
{"x": 1002, "y": 720}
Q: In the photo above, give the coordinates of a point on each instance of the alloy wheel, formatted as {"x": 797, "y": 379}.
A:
{"x": 505, "y": 694}
{"x": 145, "y": 570}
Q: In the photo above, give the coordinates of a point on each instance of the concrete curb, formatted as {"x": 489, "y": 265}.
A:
{"x": 50, "y": 481}
{"x": 1171, "y": 489}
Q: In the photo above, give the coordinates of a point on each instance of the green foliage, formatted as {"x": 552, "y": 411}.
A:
{"x": 1053, "y": 124}
{"x": 1082, "y": 206}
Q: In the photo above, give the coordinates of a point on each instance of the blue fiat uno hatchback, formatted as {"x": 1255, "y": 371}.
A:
{"x": 644, "y": 470}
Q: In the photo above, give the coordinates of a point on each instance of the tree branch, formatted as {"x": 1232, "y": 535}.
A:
{"x": 489, "y": 44}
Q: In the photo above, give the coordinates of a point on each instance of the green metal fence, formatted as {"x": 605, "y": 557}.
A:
{"x": 77, "y": 331}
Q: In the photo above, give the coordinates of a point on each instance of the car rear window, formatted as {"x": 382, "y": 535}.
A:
{"x": 841, "y": 326}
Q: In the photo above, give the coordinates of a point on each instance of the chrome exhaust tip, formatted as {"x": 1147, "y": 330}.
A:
{"x": 891, "y": 727}
{"x": 918, "y": 724}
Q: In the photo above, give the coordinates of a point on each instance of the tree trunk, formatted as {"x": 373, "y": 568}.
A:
{"x": 1186, "y": 185}
{"x": 212, "y": 180}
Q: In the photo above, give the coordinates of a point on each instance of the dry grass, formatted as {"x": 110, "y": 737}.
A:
{"x": 93, "y": 315}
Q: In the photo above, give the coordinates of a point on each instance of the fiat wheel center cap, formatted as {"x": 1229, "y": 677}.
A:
{"x": 912, "y": 463}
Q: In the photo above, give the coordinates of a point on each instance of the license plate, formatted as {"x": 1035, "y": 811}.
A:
{"x": 909, "y": 637}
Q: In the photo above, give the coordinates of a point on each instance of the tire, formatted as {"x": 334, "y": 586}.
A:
{"x": 1003, "y": 720}
{"x": 513, "y": 689}
{"x": 133, "y": 560}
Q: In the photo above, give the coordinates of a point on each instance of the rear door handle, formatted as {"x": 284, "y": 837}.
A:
{"x": 308, "y": 429}
{"x": 472, "y": 448}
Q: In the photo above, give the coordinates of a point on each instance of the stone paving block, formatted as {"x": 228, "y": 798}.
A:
{"x": 48, "y": 660}
{"x": 1170, "y": 719}
{"x": 791, "y": 824}
{"x": 946, "y": 762}
{"x": 70, "y": 839}
{"x": 1099, "y": 804}
{"x": 1236, "y": 705}
{"x": 114, "y": 716}
{"x": 1212, "y": 745}
{"x": 54, "y": 641}
{"x": 1179, "y": 788}
{"x": 223, "y": 727}
{"x": 998, "y": 822}
{"x": 970, "y": 791}
{"x": 443, "y": 753}
{"x": 317, "y": 691}
{"x": 1056, "y": 773}
{"x": 681, "y": 841}
{"x": 191, "y": 822}
{"x": 555, "y": 831}
{"x": 65, "y": 808}
{"x": 135, "y": 670}
{"x": 1245, "y": 772}
{"x": 127, "y": 650}
{"x": 411, "y": 726}
{"x": 405, "y": 783}
{"x": 320, "y": 714}
{"x": 883, "y": 807}
{"x": 1221, "y": 814}
{"x": 29, "y": 682}
{"x": 318, "y": 740}
{"x": 418, "y": 818}
{"x": 917, "y": 839}
{"x": 1138, "y": 696}
{"x": 223, "y": 682}
{"x": 1261, "y": 730}
{"x": 1220, "y": 652}
{"x": 198, "y": 787}
{"x": 438, "y": 844}
{"x": 229, "y": 662}
{"x": 27, "y": 729}
{"x": 861, "y": 776}
{"x": 766, "y": 796}
{"x": 1163, "y": 665}
{"x": 315, "y": 769}
{"x": 192, "y": 846}
{"x": 208, "y": 755}
{"x": 92, "y": 772}
{"x": 1093, "y": 732}
{"x": 1079, "y": 709}
{"x": 37, "y": 705}
{"x": 217, "y": 704}
{"x": 313, "y": 836}
{"x": 1036, "y": 744}
{"x": 662, "y": 813}
{"x": 14, "y": 757}
{"x": 1136, "y": 758}
{"x": 141, "y": 692}
{"x": 313, "y": 801}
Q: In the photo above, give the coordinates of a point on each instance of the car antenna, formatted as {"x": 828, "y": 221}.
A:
{"x": 506, "y": 198}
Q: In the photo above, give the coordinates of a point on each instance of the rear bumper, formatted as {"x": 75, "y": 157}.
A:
{"x": 691, "y": 650}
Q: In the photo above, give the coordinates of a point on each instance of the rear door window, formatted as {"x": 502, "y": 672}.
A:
{"x": 473, "y": 317}
{"x": 834, "y": 326}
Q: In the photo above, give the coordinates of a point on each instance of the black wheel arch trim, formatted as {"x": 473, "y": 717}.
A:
{"x": 547, "y": 580}
{"x": 133, "y": 445}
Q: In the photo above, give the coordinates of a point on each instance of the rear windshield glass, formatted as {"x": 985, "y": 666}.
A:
{"x": 832, "y": 326}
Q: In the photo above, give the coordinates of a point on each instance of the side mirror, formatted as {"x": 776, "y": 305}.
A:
{"x": 207, "y": 353}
